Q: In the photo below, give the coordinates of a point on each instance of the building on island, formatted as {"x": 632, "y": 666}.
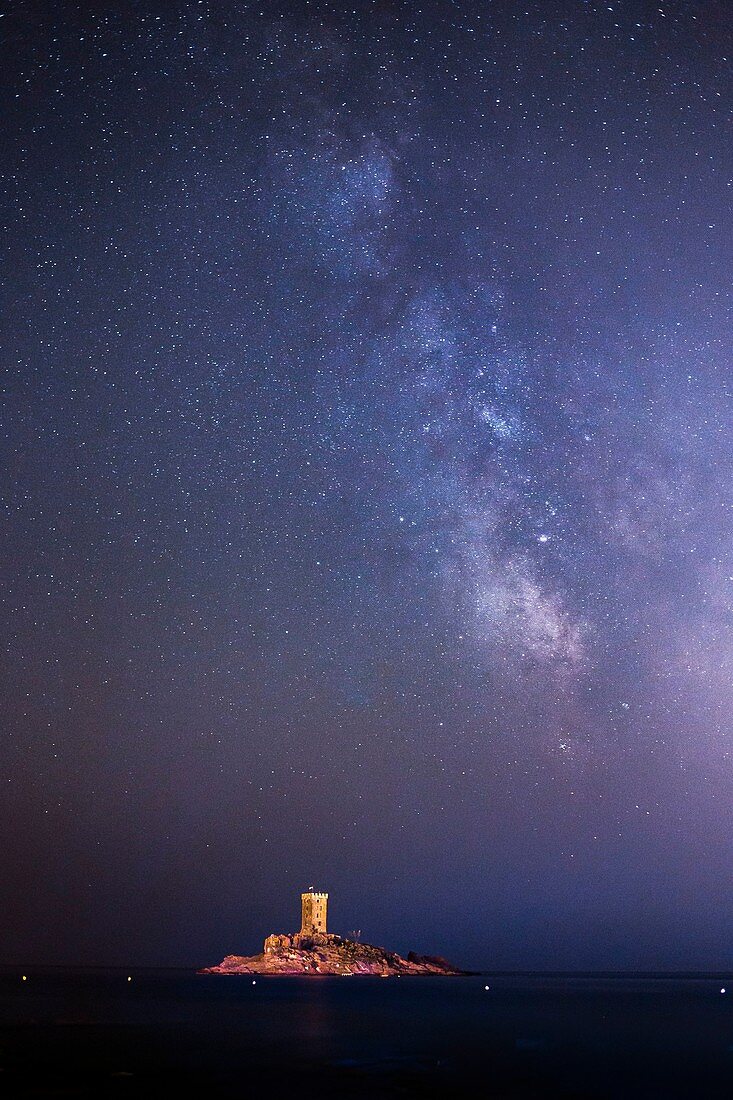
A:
{"x": 315, "y": 950}
{"x": 313, "y": 908}
{"x": 313, "y": 927}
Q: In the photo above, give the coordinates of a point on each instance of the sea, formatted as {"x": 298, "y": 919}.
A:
{"x": 155, "y": 1033}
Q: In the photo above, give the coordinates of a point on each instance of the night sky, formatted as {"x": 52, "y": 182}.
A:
{"x": 366, "y": 479}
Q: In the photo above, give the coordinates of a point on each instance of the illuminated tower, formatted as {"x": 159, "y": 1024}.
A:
{"x": 313, "y": 905}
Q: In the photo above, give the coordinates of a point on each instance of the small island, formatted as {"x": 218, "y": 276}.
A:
{"x": 314, "y": 951}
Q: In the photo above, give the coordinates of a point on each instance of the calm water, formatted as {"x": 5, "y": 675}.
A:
{"x": 95, "y": 1034}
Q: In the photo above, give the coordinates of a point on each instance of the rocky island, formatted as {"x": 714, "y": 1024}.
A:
{"x": 314, "y": 951}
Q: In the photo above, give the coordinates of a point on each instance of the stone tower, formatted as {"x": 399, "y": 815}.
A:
{"x": 313, "y": 906}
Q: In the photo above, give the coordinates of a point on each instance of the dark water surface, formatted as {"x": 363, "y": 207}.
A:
{"x": 94, "y": 1034}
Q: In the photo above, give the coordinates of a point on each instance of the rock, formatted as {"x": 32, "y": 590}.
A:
{"x": 430, "y": 960}
{"x": 327, "y": 954}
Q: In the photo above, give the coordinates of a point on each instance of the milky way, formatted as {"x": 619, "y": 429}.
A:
{"x": 366, "y": 478}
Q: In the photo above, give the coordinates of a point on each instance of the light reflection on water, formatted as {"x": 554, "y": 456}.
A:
{"x": 526, "y": 1035}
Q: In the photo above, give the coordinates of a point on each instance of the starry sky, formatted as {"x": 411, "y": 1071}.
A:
{"x": 366, "y": 465}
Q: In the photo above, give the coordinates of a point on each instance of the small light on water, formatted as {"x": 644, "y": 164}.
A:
{"x": 24, "y": 978}
{"x": 129, "y": 979}
{"x": 723, "y": 990}
{"x": 254, "y": 982}
{"x": 486, "y": 987}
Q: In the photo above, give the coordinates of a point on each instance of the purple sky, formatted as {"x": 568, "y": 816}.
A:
{"x": 366, "y": 479}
